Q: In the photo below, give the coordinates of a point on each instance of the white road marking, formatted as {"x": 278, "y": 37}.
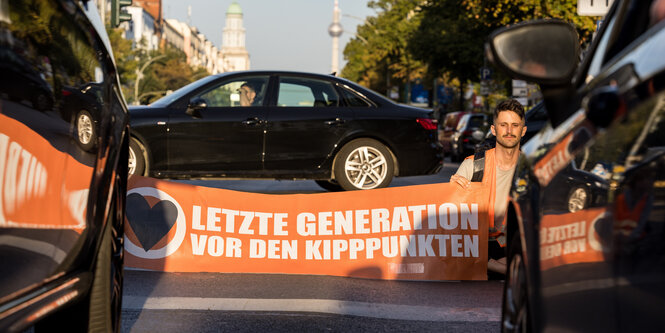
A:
{"x": 362, "y": 309}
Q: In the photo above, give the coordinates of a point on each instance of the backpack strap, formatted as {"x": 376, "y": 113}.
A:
{"x": 478, "y": 166}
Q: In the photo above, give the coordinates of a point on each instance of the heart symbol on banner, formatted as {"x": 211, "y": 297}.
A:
{"x": 150, "y": 225}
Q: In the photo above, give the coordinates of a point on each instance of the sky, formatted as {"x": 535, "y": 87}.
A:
{"x": 280, "y": 34}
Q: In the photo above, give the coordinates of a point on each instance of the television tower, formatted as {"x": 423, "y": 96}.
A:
{"x": 335, "y": 30}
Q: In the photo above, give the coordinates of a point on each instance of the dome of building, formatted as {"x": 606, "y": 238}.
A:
{"x": 234, "y": 8}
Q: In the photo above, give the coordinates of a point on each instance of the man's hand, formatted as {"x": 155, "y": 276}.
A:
{"x": 459, "y": 180}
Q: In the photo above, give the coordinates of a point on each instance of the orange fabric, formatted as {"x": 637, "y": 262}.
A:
{"x": 572, "y": 238}
{"x": 489, "y": 180}
{"x": 419, "y": 232}
{"x": 40, "y": 186}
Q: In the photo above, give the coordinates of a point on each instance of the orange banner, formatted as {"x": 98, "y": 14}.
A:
{"x": 422, "y": 232}
{"x": 40, "y": 186}
{"x": 571, "y": 238}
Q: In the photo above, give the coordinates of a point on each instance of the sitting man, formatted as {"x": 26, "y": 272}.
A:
{"x": 247, "y": 95}
{"x": 499, "y": 166}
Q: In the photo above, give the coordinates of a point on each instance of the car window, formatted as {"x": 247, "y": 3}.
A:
{"x": 174, "y": 96}
{"x": 451, "y": 120}
{"x": 462, "y": 122}
{"x": 622, "y": 30}
{"x": 238, "y": 92}
{"x": 352, "y": 99}
{"x": 305, "y": 92}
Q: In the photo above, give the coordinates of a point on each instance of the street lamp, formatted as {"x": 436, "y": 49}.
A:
{"x": 139, "y": 76}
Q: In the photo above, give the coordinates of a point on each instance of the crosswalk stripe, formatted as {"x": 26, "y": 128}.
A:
{"x": 363, "y": 309}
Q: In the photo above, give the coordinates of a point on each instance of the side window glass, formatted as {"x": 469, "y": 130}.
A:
{"x": 239, "y": 92}
{"x": 620, "y": 33}
{"x": 353, "y": 99}
{"x": 302, "y": 92}
{"x": 599, "y": 54}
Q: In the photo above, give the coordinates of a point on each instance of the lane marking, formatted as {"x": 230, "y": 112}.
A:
{"x": 362, "y": 309}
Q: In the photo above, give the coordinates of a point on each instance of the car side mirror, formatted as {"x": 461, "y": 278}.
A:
{"x": 543, "y": 51}
{"x": 195, "y": 106}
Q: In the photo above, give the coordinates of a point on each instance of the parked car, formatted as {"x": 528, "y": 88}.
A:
{"x": 600, "y": 268}
{"x": 574, "y": 190}
{"x": 460, "y": 140}
{"x": 62, "y": 204}
{"x": 296, "y": 125}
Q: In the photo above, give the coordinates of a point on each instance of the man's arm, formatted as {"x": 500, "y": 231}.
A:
{"x": 464, "y": 173}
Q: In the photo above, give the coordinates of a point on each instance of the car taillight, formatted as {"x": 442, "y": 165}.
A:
{"x": 426, "y": 123}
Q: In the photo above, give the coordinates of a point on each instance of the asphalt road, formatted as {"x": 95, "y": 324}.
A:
{"x": 215, "y": 302}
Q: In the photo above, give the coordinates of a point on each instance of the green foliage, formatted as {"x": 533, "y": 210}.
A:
{"x": 167, "y": 71}
{"x": 378, "y": 55}
{"x": 442, "y": 38}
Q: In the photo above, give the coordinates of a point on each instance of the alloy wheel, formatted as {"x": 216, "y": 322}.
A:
{"x": 131, "y": 167}
{"x": 84, "y": 128}
{"x": 366, "y": 167}
{"x": 577, "y": 200}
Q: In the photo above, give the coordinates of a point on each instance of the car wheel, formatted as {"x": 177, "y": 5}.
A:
{"x": 86, "y": 134}
{"x": 137, "y": 158}
{"x": 577, "y": 199}
{"x": 515, "y": 310}
{"x": 364, "y": 164}
{"x": 100, "y": 309}
{"x": 106, "y": 293}
{"x": 329, "y": 185}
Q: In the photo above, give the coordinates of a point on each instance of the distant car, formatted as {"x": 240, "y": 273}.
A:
{"x": 81, "y": 106}
{"x": 600, "y": 268}
{"x": 459, "y": 140}
{"x": 574, "y": 190}
{"x": 298, "y": 126}
{"x": 62, "y": 203}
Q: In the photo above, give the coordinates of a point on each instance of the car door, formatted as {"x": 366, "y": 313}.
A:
{"x": 305, "y": 124}
{"x": 222, "y": 132}
{"x": 630, "y": 152}
{"x": 618, "y": 272}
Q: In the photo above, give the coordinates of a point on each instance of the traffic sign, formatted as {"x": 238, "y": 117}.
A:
{"x": 593, "y": 7}
{"x": 485, "y": 73}
{"x": 520, "y": 92}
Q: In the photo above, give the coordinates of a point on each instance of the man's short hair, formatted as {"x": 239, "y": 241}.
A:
{"x": 509, "y": 105}
{"x": 248, "y": 85}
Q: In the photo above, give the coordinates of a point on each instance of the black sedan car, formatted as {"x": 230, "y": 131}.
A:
{"x": 283, "y": 125}
{"x": 600, "y": 268}
{"x": 62, "y": 202}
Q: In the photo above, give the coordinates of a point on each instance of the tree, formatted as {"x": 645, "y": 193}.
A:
{"x": 452, "y": 33}
{"x": 169, "y": 73}
{"x": 378, "y": 54}
{"x": 440, "y": 39}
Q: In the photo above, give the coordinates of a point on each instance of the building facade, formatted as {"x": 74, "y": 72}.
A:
{"x": 234, "y": 55}
{"x": 149, "y": 30}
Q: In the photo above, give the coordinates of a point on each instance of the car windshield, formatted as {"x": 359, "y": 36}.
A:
{"x": 172, "y": 97}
